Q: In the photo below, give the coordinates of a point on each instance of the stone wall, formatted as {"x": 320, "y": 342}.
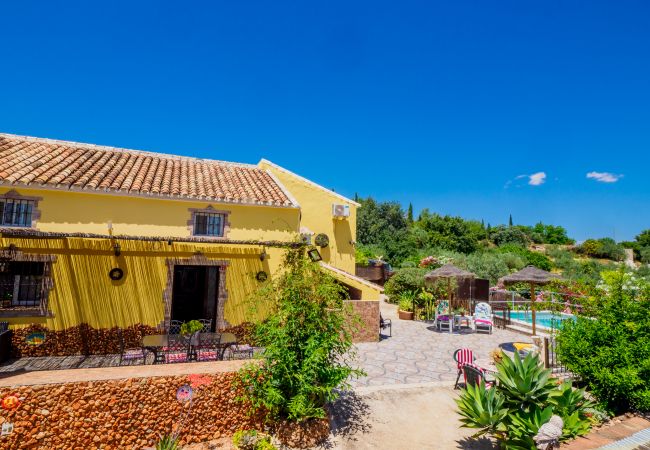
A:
{"x": 123, "y": 414}
{"x": 85, "y": 340}
{"x": 368, "y": 312}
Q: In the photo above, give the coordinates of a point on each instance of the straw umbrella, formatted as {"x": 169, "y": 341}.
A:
{"x": 447, "y": 271}
{"x": 533, "y": 276}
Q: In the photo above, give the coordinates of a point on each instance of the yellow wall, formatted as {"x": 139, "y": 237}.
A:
{"x": 316, "y": 207}
{"x": 71, "y": 212}
{"x": 83, "y": 292}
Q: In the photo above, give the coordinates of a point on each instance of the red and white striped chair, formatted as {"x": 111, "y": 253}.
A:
{"x": 462, "y": 356}
{"x": 473, "y": 375}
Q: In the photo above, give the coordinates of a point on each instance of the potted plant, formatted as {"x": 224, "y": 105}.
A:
{"x": 405, "y": 306}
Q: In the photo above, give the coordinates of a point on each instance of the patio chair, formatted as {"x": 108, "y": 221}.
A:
{"x": 175, "y": 327}
{"x": 207, "y": 325}
{"x": 385, "y": 323}
{"x": 483, "y": 317}
{"x": 462, "y": 356}
{"x": 129, "y": 353}
{"x": 473, "y": 376}
{"x": 444, "y": 319}
{"x": 177, "y": 349}
{"x": 208, "y": 348}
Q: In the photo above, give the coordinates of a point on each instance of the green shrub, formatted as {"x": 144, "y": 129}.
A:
{"x": 530, "y": 258}
{"x": 605, "y": 248}
{"x": 406, "y": 301}
{"x": 611, "y": 351}
{"x": 404, "y": 280}
{"x": 510, "y": 236}
{"x": 191, "y": 327}
{"x": 252, "y": 440}
{"x": 306, "y": 341}
{"x": 524, "y": 398}
{"x": 488, "y": 266}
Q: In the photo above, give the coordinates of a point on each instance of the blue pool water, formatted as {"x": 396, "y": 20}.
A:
{"x": 542, "y": 318}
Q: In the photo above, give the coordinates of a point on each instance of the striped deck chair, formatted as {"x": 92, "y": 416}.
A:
{"x": 462, "y": 356}
{"x": 474, "y": 374}
{"x": 483, "y": 317}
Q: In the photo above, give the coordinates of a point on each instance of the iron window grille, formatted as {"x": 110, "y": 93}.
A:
{"x": 21, "y": 284}
{"x": 16, "y": 213}
{"x": 209, "y": 224}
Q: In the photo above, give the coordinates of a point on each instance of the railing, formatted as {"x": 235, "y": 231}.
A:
{"x": 551, "y": 360}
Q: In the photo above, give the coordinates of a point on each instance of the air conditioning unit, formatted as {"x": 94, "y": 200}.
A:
{"x": 340, "y": 211}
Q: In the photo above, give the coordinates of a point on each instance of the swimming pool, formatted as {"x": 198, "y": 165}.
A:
{"x": 545, "y": 319}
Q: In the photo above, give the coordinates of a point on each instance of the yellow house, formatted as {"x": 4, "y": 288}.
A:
{"x": 103, "y": 237}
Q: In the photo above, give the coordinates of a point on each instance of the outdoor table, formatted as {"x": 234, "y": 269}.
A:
{"x": 156, "y": 342}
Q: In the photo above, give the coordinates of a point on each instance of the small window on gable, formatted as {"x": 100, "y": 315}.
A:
{"x": 209, "y": 224}
{"x": 16, "y": 212}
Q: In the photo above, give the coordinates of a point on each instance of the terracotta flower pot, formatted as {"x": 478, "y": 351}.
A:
{"x": 405, "y": 315}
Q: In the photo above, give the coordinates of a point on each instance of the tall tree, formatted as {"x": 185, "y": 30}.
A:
{"x": 510, "y": 221}
{"x": 409, "y": 214}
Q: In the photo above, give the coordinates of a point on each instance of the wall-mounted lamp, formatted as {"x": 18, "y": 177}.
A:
{"x": 314, "y": 255}
{"x": 353, "y": 243}
{"x": 117, "y": 249}
{"x": 263, "y": 255}
{"x": 170, "y": 242}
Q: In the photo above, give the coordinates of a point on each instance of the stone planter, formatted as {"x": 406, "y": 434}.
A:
{"x": 405, "y": 315}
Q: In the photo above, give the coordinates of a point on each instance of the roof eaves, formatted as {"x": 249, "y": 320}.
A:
{"x": 305, "y": 180}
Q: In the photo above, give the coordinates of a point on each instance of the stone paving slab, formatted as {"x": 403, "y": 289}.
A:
{"x": 418, "y": 353}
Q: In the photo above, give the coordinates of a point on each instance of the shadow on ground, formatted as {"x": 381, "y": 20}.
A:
{"x": 349, "y": 417}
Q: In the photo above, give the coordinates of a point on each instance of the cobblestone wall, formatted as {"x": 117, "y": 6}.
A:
{"x": 368, "y": 312}
{"x": 122, "y": 414}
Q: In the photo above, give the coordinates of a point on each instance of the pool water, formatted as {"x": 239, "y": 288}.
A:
{"x": 546, "y": 319}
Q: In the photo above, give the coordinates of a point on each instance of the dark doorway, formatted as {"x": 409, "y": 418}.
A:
{"x": 195, "y": 293}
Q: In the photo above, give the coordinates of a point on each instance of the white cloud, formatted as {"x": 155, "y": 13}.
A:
{"x": 604, "y": 177}
{"x": 537, "y": 179}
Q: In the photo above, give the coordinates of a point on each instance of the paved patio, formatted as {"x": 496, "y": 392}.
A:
{"x": 417, "y": 353}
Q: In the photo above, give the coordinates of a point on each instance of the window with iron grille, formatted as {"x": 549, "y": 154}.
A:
{"x": 209, "y": 224}
{"x": 16, "y": 213}
{"x": 21, "y": 284}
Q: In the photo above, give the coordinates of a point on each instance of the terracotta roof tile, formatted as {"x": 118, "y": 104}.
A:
{"x": 35, "y": 162}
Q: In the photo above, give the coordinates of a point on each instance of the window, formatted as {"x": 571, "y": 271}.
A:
{"x": 16, "y": 213}
{"x": 209, "y": 224}
{"x": 21, "y": 284}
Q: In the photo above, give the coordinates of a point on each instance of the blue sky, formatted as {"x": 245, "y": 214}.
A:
{"x": 449, "y": 105}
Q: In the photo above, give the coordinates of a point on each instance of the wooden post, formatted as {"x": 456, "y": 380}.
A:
{"x": 546, "y": 353}
{"x": 532, "y": 306}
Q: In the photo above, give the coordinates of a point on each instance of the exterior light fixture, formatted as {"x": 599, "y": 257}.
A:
{"x": 263, "y": 255}
{"x": 117, "y": 249}
{"x": 170, "y": 242}
{"x": 314, "y": 255}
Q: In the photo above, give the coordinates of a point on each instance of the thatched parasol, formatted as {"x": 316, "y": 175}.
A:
{"x": 447, "y": 271}
{"x": 533, "y": 276}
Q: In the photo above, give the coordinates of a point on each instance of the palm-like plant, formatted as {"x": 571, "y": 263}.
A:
{"x": 482, "y": 408}
{"x": 524, "y": 382}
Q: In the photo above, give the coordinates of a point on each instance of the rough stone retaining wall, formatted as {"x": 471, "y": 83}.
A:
{"x": 368, "y": 312}
{"x": 122, "y": 414}
{"x": 86, "y": 340}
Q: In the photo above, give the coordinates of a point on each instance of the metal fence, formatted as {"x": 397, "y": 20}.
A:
{"x": 551, "y": 360}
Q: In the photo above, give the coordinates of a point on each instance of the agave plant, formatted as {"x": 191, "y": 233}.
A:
{"x": 483, "y": 409}
{"x": 524, "y": 398}
{"x": 524, "y": 383}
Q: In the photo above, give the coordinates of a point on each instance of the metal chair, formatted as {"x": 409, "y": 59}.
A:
{"x": 129, "y": 353}
{"x": 473, "y": 376}
{"x": 207, "y": 325}
{"x": 178, "y": 349}
{"x": 175, "y": 327}
{"x": 208, "y": 347}
{"x": 385, "y": 323}
{"x": 462, "y": 356}
{"x": 240, "y": 351}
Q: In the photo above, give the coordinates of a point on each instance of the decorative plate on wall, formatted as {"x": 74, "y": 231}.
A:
{"x": 261, "y": 276}
{"x": 322, "y": 240}
{"x": 116, "y": 274}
